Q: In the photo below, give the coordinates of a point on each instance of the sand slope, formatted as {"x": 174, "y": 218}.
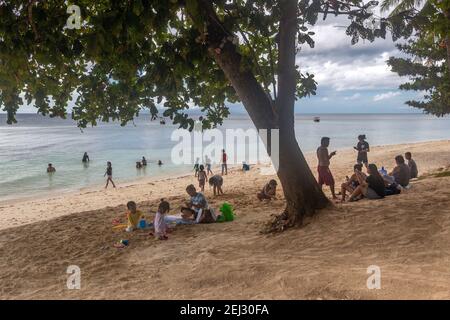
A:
{"x": 407, "y": 236}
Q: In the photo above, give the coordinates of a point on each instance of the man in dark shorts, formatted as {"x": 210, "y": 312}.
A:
{"x": 362, "y": 147}
{"x": 325, "y": 176}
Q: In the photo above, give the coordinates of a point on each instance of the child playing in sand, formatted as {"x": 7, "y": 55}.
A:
{"x": 133, "y": 216}
{"x": 109, "y": 174}
{"x": 216, "y": 182}
{"x": 159, "y": 222}
{"x": 269, "y": 191}
{"x": 362, "y": 147}
{"x": 202, "y": 177}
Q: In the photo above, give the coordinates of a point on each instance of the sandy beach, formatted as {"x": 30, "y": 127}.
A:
{"x": 407, "y": 236}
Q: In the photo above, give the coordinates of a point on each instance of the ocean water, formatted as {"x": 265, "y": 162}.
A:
{"x": 27, "y": 147}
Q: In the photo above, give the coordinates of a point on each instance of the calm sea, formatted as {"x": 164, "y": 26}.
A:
{"x": 27, "y": 147}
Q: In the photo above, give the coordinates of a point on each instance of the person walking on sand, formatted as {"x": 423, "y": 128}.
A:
{"x": 202, "y": 177}
{"x": 325, "y": 176}
{"x": 85, "y": 157}
{"x": 224, "y": 162}
{"x": 208, "y": 165}
{"x": 109, "y": 174}
{"x": 362, "y": 147}
{"x": 196, "y": 166}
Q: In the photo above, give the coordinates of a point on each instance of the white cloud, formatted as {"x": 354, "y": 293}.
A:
{"x": 387, "y": 95}
{"x": 325, "y": 99}
{"x": 353, "y": 97}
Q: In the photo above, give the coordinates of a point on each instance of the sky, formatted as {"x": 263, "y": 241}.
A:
{"x": 351, "y": 78}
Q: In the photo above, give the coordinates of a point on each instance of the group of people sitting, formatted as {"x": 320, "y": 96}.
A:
{"x": 376, "y": 183}
{"x": 196, "y": 210}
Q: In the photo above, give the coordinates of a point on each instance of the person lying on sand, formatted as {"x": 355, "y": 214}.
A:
{"x": 371, "y": 187}
{"x": 197, "y": 202}
{"x": 133, "y": 216}
{"x": 216, "y": 182}
{"x": 159, "y": 222}
{"x": 352, "y": 183}
{"x": 269, "y": 191}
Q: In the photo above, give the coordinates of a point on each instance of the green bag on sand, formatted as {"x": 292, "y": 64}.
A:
{"x": 227, "y": 213}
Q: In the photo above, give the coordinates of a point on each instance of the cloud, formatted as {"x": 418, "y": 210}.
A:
{"x": 387, "y": 95}
{"x": 355, "y": 96}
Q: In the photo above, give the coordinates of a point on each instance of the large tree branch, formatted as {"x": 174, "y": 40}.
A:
{"x": 254, "y": 98}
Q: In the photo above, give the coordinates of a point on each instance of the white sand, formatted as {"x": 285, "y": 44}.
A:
{"x": 407, "y": 236}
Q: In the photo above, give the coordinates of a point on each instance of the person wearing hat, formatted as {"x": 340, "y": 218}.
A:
{"x": 269, "y": 191}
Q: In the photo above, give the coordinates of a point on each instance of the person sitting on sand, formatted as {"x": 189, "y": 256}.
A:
{"x": 269, "y": 191}
{"x": 133, "y": 216}
{"x": 197, "y": 202}
{"x": 85, "y": 158}
{"x": 202, "y": 177}
{"x": 352, "y": 183}
{"x": 159, "y": 222}
{"x": 51, "y": 168}
{"x": 325, "y": 176}
{"x": 371, "y": 187}
{"x": 401, "y": 174}
{"x": 414, "y": 173}
{"x": 245, "y": 166}
{"x": 144, "y": 162}
{"x": 216, "y": 182}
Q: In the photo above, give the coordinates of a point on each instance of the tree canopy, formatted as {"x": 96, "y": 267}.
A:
{"x": 133, "y": 54}
{"x": 426, "y": 24}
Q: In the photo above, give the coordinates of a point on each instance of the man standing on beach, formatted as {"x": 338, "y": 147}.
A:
{"x": 224, "y": 162}
{"x": 325, "y": 176}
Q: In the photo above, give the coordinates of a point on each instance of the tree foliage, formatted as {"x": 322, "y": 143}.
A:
{"x": 427, "y": 61}
{"x": 132, "y": 55}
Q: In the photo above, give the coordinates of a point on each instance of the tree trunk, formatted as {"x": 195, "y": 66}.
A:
{"x": 301, "y": 190}
{"x": 303, "y": 194}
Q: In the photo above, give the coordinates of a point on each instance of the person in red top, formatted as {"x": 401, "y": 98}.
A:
{"x": 224, "y": 162}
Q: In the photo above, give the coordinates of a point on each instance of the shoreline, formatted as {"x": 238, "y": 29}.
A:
{"x": 428, "y": 155}
{"x": 7, "y": 201}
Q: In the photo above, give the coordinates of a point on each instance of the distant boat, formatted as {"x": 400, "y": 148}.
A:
{"x": 316, "y": 119}
{"x": 162, "y": 121}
